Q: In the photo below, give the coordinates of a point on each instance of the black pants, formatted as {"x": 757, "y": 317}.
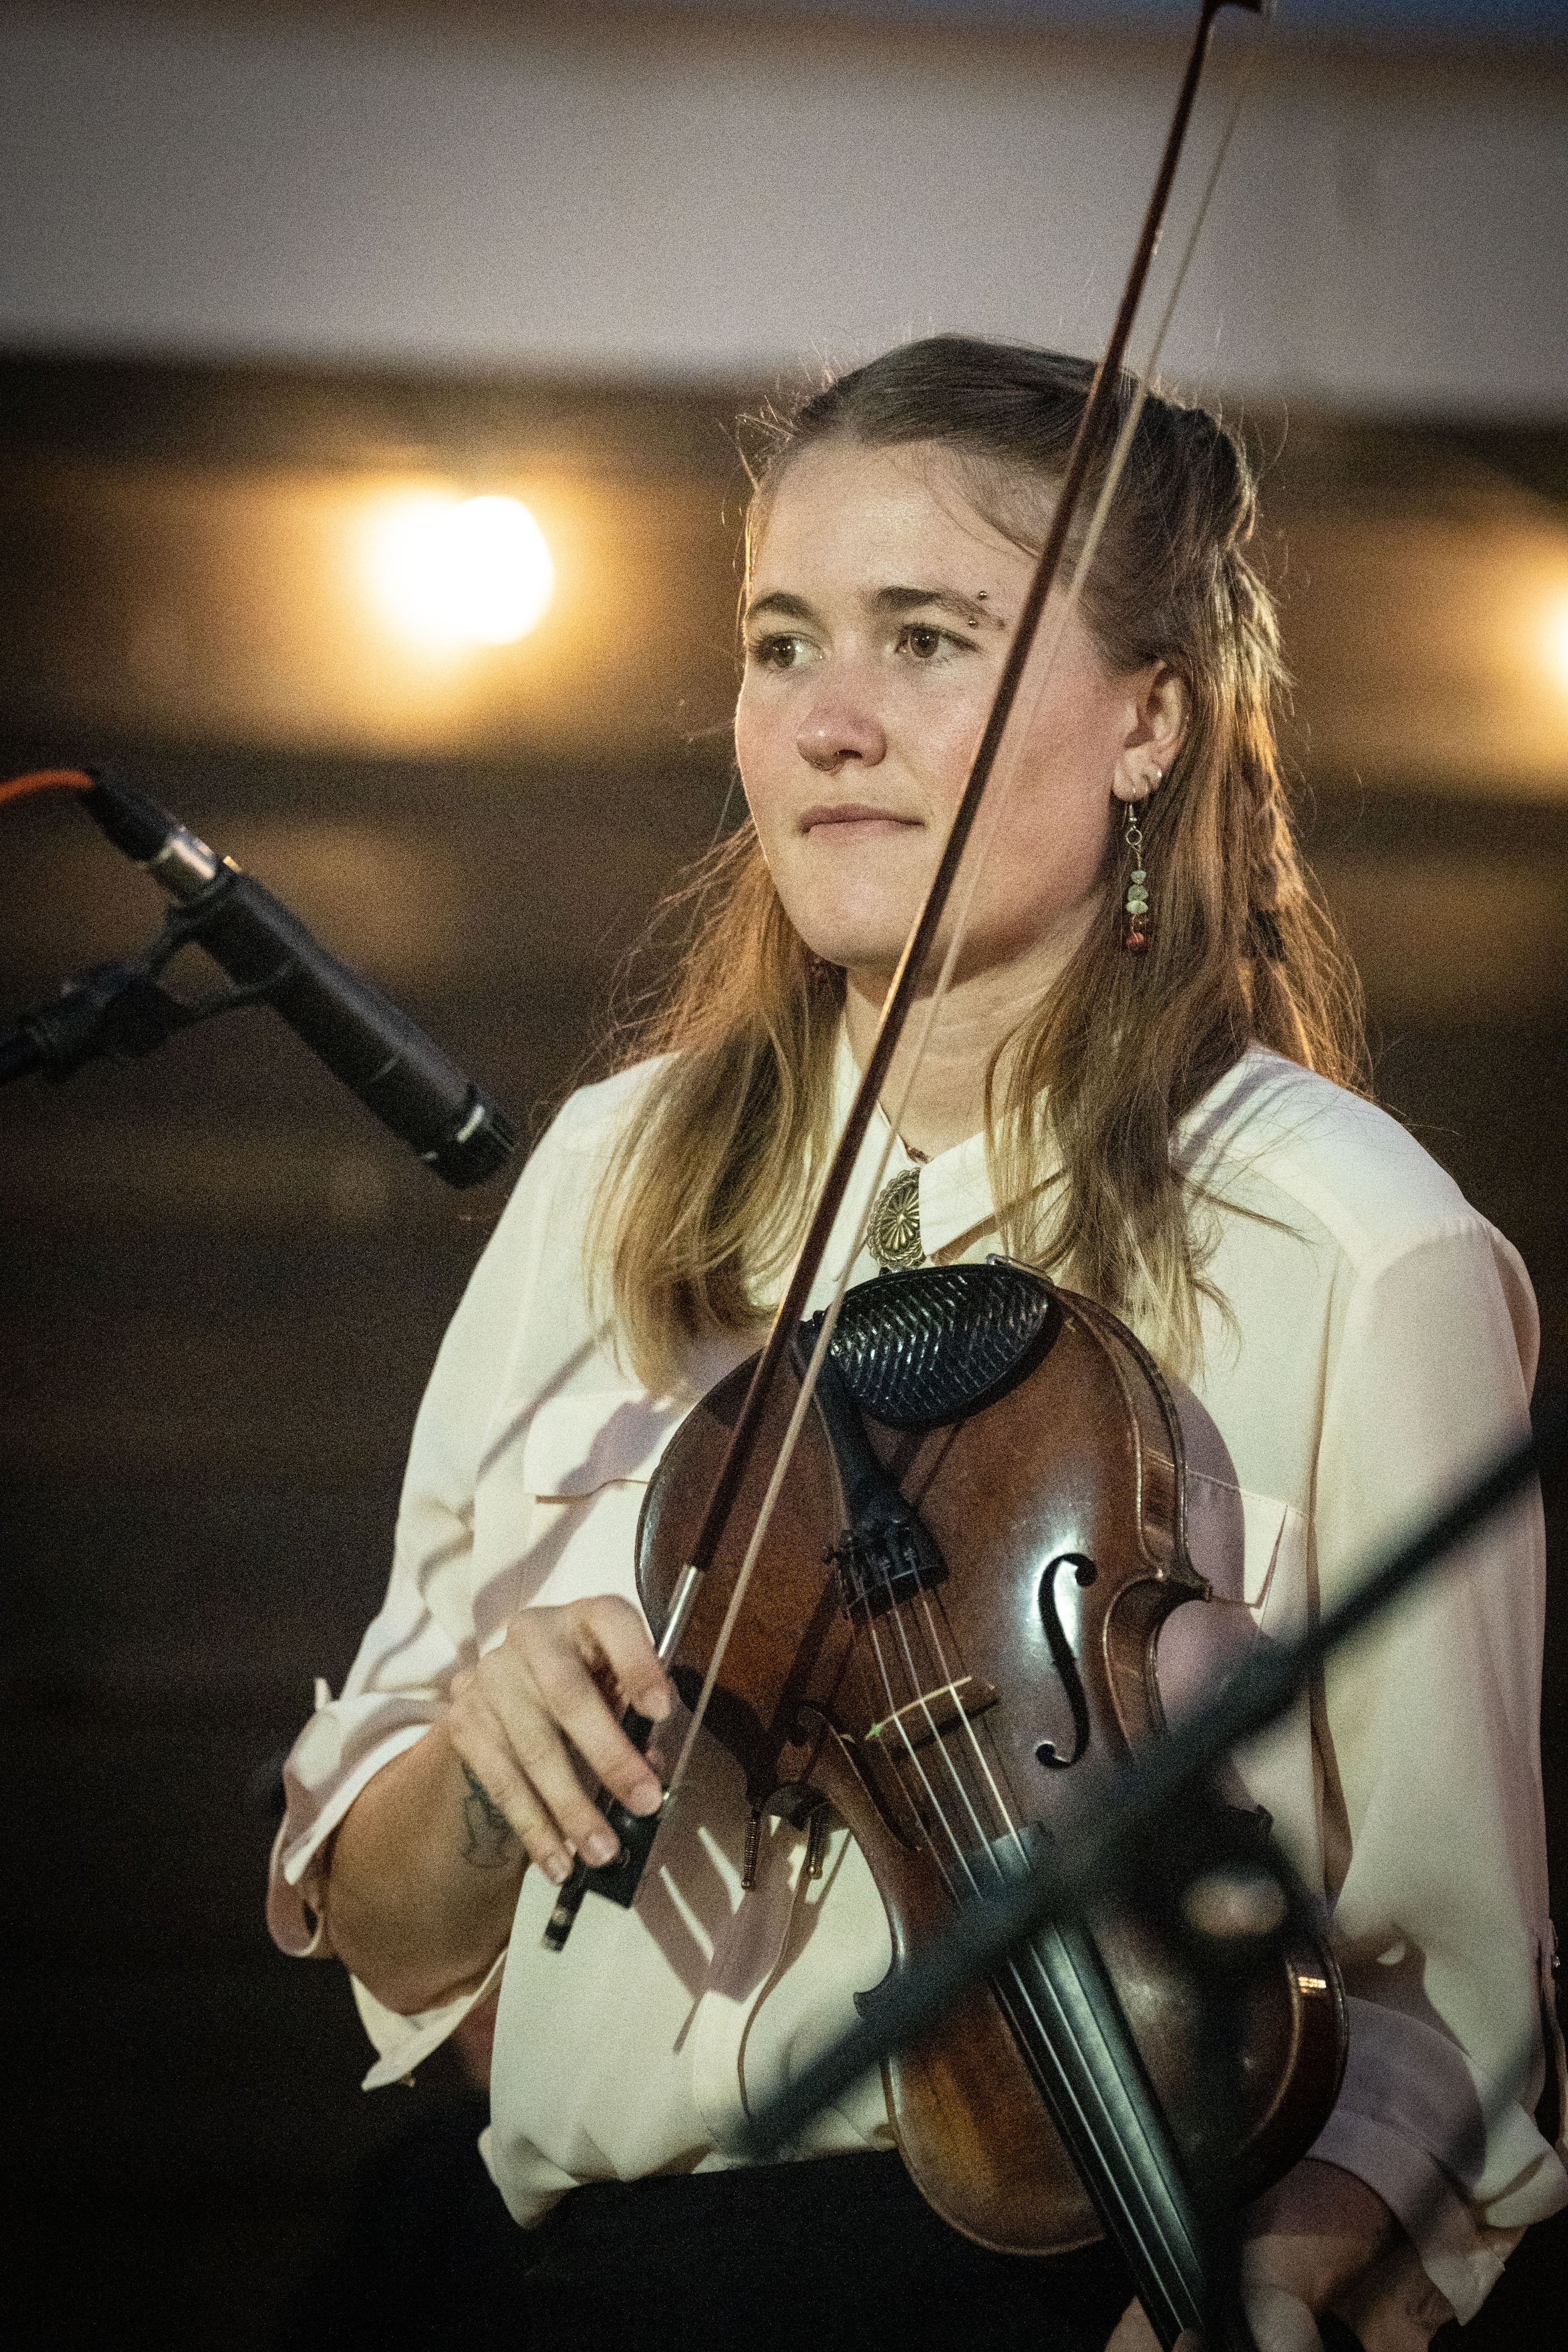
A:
{"x": 838, "y": 2254}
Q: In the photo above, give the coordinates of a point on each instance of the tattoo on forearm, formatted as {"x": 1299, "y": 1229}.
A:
{"x": 492, "y": 1842}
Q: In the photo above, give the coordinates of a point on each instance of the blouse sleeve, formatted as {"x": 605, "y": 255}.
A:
{"x": 425, "y": 1629}
{"x": 1428, "y": 1735}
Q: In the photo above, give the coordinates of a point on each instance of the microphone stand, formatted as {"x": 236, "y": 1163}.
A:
{"x": 402, "y": 1077}
{"x": 117, "y": 1009}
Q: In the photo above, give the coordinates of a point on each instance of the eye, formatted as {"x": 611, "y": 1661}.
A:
{"x": 777, "y": 650}
{"x": 924, "y": 643}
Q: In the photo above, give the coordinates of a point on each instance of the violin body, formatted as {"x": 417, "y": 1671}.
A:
{"x": 947, "y": 1692}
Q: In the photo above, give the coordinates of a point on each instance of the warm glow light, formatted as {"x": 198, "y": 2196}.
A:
{"x": 1557, "y": 642}
{"x": 462, "y": 572}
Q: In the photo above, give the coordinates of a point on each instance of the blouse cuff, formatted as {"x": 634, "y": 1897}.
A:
{"x": 1463, "y": 2262}
{"x": 293, "y": 1907}
{"x": 404, "y": 2043}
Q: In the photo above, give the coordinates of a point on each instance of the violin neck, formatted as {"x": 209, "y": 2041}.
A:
{"x": 1069, "y": 2025}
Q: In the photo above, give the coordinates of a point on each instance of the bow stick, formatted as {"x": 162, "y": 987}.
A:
{"x": 620, "y": 1878}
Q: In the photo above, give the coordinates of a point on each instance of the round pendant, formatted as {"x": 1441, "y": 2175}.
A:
{"x": 892, "y": 1235}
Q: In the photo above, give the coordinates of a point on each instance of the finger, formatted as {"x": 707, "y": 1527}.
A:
{"x": 566, "y": 1652}
{"x": 614, "y": 1636}
{"x": 536, "y": 1769}
{"x": 484, "y": 1752}
{"x": 1134, "y": 2334}
{"x": 568, "y": 1701}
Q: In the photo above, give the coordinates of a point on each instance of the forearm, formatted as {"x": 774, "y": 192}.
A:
{"x": 423, "y": 1879}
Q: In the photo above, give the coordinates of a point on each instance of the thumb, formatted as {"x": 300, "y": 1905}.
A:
{"x": 1281, "y": 2322}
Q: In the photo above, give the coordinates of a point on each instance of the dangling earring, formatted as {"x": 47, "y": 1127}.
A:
{"x": 1136, "y": 908}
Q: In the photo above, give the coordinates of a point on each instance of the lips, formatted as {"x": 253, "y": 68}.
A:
{"x": 832, "y": 814}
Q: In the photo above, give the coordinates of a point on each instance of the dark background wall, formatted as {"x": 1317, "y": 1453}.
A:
{"x": 223, "y": 1286}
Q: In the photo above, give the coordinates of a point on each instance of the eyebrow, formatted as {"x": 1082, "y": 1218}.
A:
{"x": 887, "y": 600}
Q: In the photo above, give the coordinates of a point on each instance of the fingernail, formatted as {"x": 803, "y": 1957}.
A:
{"x": 645, "y": 1797}
{"x": 658, "y": 1706}
{"x": 556, "y": 1867}
{"x": 602, "y": 1847}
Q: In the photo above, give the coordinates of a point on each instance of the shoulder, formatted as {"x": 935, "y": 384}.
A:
{"x": 1301, "y": 1148}
{"x": 526, "y": 1310}
{"x": 595, "y": 1119}
{"x": 547, "y": 1213}
{"x": 1333, "y": 1221}
{"x": 577, "y": 1145}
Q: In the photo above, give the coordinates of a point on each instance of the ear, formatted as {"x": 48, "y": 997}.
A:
{"x": 1157, "y": 717}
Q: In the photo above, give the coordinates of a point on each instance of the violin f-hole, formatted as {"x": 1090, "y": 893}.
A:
{"x": 1065, "y": 1658}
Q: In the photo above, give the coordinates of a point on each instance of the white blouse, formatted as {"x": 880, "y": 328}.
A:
{"x": 1376, "y": 1343}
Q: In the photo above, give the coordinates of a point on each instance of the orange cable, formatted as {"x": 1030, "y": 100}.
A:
{"x": 43, "y": 780}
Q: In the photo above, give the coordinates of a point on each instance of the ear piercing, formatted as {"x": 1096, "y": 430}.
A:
{"x": 1135, "y": 908}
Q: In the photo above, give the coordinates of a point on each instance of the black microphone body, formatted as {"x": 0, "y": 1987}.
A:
{"x": 381, "y": 1054}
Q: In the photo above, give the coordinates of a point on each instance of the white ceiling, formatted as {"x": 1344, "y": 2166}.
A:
{"x": 606, "y": 193}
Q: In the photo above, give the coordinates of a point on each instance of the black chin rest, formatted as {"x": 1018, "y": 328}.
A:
{"x": 921, "y": 1349}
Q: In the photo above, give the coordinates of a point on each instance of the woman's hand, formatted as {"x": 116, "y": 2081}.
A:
{"x": 422, "y": 1879}
{"x": 1279, "y": 2323}
{"x": 1309, "y": 2240}
{"x": 553, "y": 1688}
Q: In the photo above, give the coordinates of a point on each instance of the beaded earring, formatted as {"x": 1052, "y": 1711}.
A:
{"x": 1135, "y": 908}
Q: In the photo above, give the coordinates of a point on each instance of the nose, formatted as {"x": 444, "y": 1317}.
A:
{"x": 839, "y": 729}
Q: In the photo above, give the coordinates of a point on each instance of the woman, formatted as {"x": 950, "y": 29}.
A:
{"x": 1142, "y": 1078}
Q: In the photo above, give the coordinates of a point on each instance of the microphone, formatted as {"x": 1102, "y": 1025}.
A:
{"x": 381, "y": 1054}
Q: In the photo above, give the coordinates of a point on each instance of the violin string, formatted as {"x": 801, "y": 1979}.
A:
{"x": 897, "y": 1718}
{"x": 1021, "y": 2000}
{"x": 1004, "y": 1812}
{"x": 920, "y": 1686}
{"x": 973, "y": 867}
{"x": 940, "y": 1861}
{"x": 945, "y": 1676}
{"x": 942, "y": 1676}
{"x": 900, "y": 1718}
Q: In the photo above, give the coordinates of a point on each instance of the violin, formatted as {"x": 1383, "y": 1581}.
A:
{"x": 980, "y": 1539}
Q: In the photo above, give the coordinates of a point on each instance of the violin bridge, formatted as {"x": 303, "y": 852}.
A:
{"x": 934, "y": 1712}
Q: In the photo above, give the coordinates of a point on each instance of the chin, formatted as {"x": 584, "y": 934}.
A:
{"x": 854, "y": 950}
{"x": 853, "y": 937}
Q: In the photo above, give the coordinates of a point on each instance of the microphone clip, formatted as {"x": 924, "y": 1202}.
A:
{"x": 117, "y": 1010}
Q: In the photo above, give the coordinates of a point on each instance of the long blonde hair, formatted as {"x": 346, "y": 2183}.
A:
{"x": 704, "y": 1200}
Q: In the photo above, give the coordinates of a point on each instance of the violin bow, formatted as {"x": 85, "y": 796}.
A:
{"x": 620, "y": 1878}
